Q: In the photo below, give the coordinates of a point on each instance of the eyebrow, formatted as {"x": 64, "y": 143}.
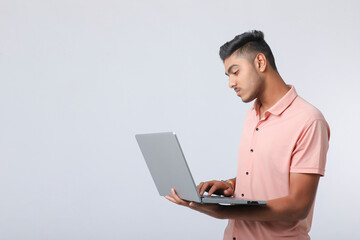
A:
{"x": 229, "y": 69}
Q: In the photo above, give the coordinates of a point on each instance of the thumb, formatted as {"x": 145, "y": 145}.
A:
{"x": 228, "y": 192}
{"x": 193, "y": 205}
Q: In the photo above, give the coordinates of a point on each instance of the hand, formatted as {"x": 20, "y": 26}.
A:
{"x": 213, "y": 210}
{"x": 176, "y": 199}
{"x": 217, "y": 187}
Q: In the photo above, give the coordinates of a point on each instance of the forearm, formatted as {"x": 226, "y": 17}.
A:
{"x": 293, "y": 207}
{"x": 281, "y": 209}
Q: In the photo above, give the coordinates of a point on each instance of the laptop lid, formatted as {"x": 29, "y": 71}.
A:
{"x": 167, "y": 165}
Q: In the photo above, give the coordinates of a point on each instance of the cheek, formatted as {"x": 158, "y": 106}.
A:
{"x": 254, "y": 80}
{"x": 249, "y": 81}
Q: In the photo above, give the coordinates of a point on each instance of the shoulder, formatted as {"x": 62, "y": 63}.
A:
{"x": 308, "y": 114}
{"x": 306, "y": 110}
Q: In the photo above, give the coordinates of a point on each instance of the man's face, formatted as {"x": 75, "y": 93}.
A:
{"x": 243, "y": 77}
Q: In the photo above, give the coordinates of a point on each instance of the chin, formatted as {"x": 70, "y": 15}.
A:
{"x": 247, "y": 99}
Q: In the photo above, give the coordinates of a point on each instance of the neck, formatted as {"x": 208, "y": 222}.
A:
{"x": 275, "y": 88}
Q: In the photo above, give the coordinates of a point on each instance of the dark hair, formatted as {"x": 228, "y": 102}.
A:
{"x": 250, "y": 43}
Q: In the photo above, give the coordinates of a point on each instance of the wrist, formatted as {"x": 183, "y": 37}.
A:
{"x": 231, "y": 182}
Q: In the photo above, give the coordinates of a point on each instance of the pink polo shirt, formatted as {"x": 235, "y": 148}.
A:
{"x": 293, "y": 137}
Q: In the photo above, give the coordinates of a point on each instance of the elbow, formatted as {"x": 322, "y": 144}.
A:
{"x": 297, "y": 210}
{"x": 299, "y": 214}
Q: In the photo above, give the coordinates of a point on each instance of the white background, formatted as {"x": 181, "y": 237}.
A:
{"x": 78, "y": 78}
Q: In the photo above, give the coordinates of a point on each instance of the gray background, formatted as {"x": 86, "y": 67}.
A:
{"x": 78, "y": 78}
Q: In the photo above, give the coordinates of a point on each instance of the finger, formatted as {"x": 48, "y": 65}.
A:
{"x": 199, "y": 186}
{"x": 177, "y": 199}
{"x": 212, "y": 189}
{"x": 194, "y": 205}
{"x": 209, "y": 209}
{"x": 229, "y": 192}
{"x": 204, "y": 188}
{"x": 171, "y": 199}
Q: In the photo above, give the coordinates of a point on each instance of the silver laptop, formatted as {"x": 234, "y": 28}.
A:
{"x": 168, "y": 168}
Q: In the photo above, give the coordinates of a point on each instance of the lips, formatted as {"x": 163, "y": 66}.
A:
{"x": 237, "y": 90}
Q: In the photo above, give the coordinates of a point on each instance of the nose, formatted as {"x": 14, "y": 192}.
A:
{"x": 232, "y": 82}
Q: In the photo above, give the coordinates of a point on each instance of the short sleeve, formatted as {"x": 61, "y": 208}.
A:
{"x": 309, "y": 155}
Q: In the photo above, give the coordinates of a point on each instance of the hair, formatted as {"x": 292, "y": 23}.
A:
{"x": 249, "y": 44}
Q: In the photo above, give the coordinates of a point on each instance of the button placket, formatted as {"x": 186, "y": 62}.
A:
{"x": 246, "y": 183}
{"x": 246, "y": 173}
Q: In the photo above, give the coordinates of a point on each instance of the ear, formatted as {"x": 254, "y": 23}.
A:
{"x": 260, "y": 62}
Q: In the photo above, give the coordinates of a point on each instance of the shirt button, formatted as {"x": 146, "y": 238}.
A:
{"x": 247, "y": 173}
{"x": 242, "y": 195}
{"x": 251, "y": 150}
{"x": 257, "y": 129}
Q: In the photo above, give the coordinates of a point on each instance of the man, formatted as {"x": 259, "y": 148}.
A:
{"x": 282, "y": 152}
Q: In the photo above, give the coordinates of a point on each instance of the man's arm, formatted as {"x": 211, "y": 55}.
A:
{"x": 293, "y": 207}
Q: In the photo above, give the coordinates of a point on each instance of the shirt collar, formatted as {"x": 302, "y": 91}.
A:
{"x": 281, "y": 105}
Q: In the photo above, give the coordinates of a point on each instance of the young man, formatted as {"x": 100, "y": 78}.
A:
{"x": 282, "y": 152}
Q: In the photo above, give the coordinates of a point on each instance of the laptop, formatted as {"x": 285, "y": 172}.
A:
{"x": 167, "y": 165}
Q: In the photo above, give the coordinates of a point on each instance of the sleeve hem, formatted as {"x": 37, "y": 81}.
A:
{"x": 309, "y": 170}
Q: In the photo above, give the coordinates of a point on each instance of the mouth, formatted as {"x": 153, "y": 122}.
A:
{"x": 237, "y": 90}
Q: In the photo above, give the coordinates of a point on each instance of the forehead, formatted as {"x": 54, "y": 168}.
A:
{"x": 235, "y": 60}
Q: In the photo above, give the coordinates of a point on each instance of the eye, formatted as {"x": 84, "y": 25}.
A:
{"x": 236, "y": 72}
